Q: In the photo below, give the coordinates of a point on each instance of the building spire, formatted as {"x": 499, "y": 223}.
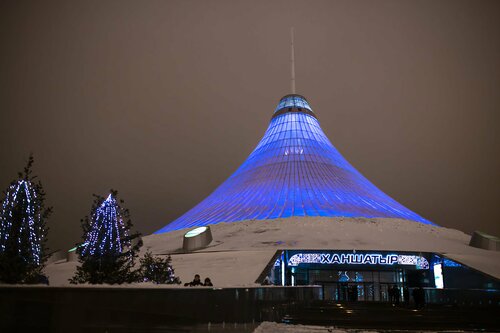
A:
{"x": 292, "y": 61}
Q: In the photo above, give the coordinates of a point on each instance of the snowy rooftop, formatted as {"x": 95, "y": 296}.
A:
{"x": 240, "y": 251}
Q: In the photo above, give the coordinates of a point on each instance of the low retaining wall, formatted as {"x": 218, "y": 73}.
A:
{"x": 90, "y": 309}
{"x": 109, "y": 309}
{"x": 463, "y": 297}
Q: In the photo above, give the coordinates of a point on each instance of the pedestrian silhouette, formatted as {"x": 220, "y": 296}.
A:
{"x": 196, "y": 282}
{"x": 208, "y": 283}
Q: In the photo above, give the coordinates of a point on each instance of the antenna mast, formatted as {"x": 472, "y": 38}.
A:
{"x": 292, "y": 61}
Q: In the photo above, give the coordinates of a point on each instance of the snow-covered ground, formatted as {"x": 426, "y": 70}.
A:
{"x": 240, "y": 251}
{"x": 269, "y": 327}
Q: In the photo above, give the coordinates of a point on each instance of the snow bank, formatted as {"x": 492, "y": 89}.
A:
{"x": 320, "y": 233}
{"x": 241, "y": 250}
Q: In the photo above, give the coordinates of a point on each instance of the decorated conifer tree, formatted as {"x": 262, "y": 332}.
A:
{"x": 109, "y": 250}
{"x": 23, "y": 250}
{"x": 158, "y": 270}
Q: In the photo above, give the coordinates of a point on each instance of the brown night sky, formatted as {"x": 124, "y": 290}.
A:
{"x": 163, "y": 100}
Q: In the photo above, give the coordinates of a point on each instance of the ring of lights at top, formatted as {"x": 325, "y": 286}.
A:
{"x": 294, "y": 171}
{"x": 293, "y": 103}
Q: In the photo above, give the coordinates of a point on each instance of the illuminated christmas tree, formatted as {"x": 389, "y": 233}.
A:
{"x": 22, "y": 230}
{"x": 108, "y": 252}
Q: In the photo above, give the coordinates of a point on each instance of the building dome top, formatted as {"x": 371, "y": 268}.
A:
{"x": 293, "y": 103}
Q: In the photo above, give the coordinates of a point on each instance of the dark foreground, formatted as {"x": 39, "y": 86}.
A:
{"x": 81, "y": 309}
{"x": 385, "y": 316}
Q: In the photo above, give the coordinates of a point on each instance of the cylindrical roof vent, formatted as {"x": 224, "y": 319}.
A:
{"x": 484, "y": 241}
{"x": 197, "y": 238}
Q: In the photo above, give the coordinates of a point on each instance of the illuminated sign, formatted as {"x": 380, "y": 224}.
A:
{"x": 358, "y": 259}
{"x": 438, "y": 276}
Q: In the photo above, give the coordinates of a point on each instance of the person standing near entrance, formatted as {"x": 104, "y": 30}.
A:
{"x": 419, "y": 297}
{"x": 397, "y": 294}
{"x": 354, "y": 293}
{"x": 390, "y": 291}
{"x": 421, "y": 293}
{"x": 406, "y": 296}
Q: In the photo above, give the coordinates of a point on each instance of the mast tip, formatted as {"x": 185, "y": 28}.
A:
{"x": 292, "y": 60}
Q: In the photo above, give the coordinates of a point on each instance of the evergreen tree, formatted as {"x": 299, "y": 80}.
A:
{"x": 158, "y": 270}
{"x": 23, "y": 233}
{"x": 108, "y": 251}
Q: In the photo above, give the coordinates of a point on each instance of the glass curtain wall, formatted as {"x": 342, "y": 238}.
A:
{"x": 294, "y": 171}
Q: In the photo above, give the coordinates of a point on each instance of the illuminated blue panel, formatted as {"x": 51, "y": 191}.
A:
{"x": 293, "y": 171}
{"x": 450, "y": 263}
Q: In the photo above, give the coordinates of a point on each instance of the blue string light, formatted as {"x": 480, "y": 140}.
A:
{"x": 21, "y": 196}
{"x": 107, "y": 230}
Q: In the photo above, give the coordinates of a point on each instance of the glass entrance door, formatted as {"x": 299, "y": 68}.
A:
{"x": 344, "y": 286}
{"x": 331, "y": 291}
{"x": 349, "y": 292}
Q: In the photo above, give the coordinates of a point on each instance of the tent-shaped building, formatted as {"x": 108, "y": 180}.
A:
{"x": 296, "y": 213}
{"x": 294, "y": 171}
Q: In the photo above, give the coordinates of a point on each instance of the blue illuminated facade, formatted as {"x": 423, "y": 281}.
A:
{"x": 294, "y": 171}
